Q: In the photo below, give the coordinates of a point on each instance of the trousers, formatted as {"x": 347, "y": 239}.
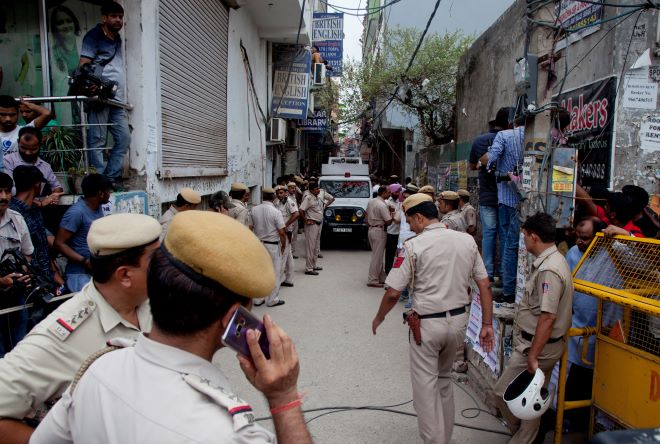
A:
{"x": 287, "y": 264}
{"x": 276, "y": 257}
{"x": 524, "y": 432}
{"x": 312, "y": 232}
{"x": 318, "y": 240}
{"x": 390, "y": 251}
{"x": 117, "y": 120}
{"x": 377, "y": 241}
{"x": 430, "y": 374}
{"x": 294, "y": 238}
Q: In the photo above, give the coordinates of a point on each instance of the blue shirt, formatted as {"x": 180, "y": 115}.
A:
{"x": 487, "y": 185}
{"x": 99, "y": 48}
{"x": 35, "y": 223}
{"x": 506, "y": 153}
{"x": 77, "y": 219}
{"x": 585, "y": 309}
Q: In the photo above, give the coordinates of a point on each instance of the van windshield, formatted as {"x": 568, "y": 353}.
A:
{"x": 346, "y": 188}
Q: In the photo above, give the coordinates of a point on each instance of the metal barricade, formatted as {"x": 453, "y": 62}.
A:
{"x": 624, "y": 274}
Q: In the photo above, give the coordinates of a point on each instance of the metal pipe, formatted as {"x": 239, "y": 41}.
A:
{"x": 561, "y": 395}
{"x": 52, "y": 99}
{"x": 31, "y": 304}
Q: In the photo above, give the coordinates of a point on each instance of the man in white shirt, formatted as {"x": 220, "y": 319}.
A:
{"x": 394, "y": 228}
{"x": 9, "y": 126}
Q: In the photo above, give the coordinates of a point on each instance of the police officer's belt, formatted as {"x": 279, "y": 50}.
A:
{"x": 443, "y": 314}
{"x": 271, "y": 242}
{"x": 527, "y": 337}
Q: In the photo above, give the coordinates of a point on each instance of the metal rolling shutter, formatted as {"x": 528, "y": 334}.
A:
{"x": 193, "y": 75}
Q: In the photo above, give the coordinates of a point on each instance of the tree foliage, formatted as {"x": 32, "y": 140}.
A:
{"x": 427, "y": 90}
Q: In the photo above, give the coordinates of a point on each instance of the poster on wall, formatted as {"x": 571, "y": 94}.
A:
{"x": 573, "y": 15}
{"x": 453, "y": 176}
{"x": 474, "y": 328}
{"x": 290, "y": 81}
{"x": 328, "y": 36}
{"x": 591, "y": 129}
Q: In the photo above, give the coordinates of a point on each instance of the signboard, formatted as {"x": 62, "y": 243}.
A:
{"x": 290, "y": 88}
{"x": 318, "y": 123}
{"x": 638, "y": 91}
{"x": 474, "y": 328}
{"x": 649, "y": 134}
{"x": 328, "y": 36}
{"x": 591, "y": 129}
{"x": 572, "y": 14}
{"x": 452, "y": 176}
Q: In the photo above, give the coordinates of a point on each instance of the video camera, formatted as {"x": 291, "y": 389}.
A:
{"x": 86, "y": 81}
{"x": 39, "y": 290}
{"x": 504, "y": 177}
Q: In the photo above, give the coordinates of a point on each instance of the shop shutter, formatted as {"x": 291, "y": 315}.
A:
{"x": 193, "y": 75}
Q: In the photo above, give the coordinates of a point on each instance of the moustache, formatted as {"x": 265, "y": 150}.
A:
{"x": 4, "y": 201}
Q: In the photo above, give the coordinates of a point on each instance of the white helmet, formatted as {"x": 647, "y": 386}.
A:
{"x": 526, "y": 397}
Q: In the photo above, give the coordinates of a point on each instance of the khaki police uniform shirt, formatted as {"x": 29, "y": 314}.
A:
{"x": 454, "y": 221}
{"x": 267, "y": 220}
{"x": 438, "y": 265}
{"x": 166, "y": 218}
{"x": 287, "y": 208}
{"x": 378, "y": 212}
{"x": 44, "y": 363}
{"x": 549, "y": 288}
{"x": 151, "y": 393}
{"x": 241, "y": 212}
{"x": 469, "y": 215}
{"x": 313, "y": 207}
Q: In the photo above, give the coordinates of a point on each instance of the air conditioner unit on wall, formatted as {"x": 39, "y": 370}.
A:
{"x": 277, "y": 130}
{"x": 310, "y": 105}
{"x": 318, "y": 78}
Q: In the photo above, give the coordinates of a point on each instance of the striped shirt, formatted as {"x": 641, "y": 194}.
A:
{"x": 506, "y": 153}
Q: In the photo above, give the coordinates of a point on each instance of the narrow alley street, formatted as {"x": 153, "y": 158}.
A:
{"x": 343, "y": 364}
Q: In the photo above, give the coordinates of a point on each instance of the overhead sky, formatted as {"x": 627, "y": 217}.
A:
{"x": 471, "y": 16}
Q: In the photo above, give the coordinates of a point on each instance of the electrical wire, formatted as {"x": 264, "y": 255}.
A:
{"x": 370, "y": 11}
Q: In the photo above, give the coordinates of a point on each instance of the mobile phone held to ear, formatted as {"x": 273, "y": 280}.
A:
{"x": 235, "y": 335}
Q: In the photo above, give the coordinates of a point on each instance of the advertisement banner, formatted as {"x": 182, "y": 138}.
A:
{"x": 592, "y": 129}
{"x": 574, "y": 14}
{"x": 328, "y": 36}
{"x": 290, "y": 88}
{"x": 318, "y": 123}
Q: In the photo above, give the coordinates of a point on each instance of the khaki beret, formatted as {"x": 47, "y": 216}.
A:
{"x": 427, "y": 189}
{"x": 298, "y": 179}
{"x": 190, "y": 195}
{"x": 280, "y": 187}
{"x": 219, "y": 248}
{"x": 268, "y": 190}
{"x": 410, "y": 188}
{"x": 415, "y": 200}
{"x": 237, "y": 186}
{"x": 448, "y": 195}
{"x": 291, "y": 184}
{"x": 394, "y": 176}
{"x": 305, "y": 182}
{"x": 119, "y": 232}
{"x": 463, "y": 193}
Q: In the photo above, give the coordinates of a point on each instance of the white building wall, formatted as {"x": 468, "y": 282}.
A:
{"x": 246, "y": 134}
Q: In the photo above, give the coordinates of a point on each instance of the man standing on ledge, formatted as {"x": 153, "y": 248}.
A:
{"x": 437, "y": 266}
{"x": 378, "y": 217}
{"x": 542, "y": 319}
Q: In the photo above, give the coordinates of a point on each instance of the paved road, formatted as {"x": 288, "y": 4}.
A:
{"x": 343, "y": 364}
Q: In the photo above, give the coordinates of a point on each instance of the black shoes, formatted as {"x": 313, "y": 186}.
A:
{"x": 318, "y": 268}
{"x": 505, "y": 299}
{"x": 312, "y": 273}
{"x": 277, "y": 304}
{"x": 286, "y": 284}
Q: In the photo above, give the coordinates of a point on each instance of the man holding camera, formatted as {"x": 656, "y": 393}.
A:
{"x": 114, "y": 304}
{"x": 102, "y": 48}
{"x": 14, "y": 233}
{"x": 505, "y": 156}
{"x": 165, "y": 389}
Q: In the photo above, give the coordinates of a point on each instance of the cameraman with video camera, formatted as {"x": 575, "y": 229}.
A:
{"x": 102, "y": 48}
{"x": 14, "y": 233}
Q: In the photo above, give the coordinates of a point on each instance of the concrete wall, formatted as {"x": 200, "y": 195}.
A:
{"x": 247, "y": 159}
{"x": 485, "y": 76}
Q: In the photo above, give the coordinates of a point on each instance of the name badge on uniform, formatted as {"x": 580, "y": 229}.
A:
{"x": 240, "y": 411}
{"x": 63, "y": 327}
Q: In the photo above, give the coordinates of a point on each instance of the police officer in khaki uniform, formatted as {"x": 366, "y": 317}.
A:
{"x": 311, "y": 210}
{"x": 467, "y": 211}
{"x": 437, "y": 267}
{"x": 378, "y": 217}
{"x": 296, "y": 197}
{"x": 187, "y": 199}
{"x": 240, "y": 195}
{"x": 428, "y": 190}
{"x": 448, "y": 205}
{"x": 164, "y": 388}
{"x": 543, "y": 317}
{"x": 289, "y": 209}
{"x": 113, "y": 304}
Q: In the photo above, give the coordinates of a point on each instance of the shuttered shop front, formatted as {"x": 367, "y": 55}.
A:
{"x": 193, "y": 73}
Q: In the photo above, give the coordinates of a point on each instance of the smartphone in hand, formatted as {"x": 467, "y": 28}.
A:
{"x": 235, "y": 335}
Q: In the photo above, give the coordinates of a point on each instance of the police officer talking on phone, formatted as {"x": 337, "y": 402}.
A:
{"x": 164, "y": 388}
{"x": 437, "y": 266}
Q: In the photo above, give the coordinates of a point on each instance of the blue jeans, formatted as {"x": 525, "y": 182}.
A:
{"x": 509, "y": 240}
{"x": 117, "y": 118}
{"x": 488, "y": 217}
{"x": 76, "y": 281}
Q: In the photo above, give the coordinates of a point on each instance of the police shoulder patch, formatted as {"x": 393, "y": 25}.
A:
{"x": 397, "y": 262}
{"x": 69, "y": 322}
